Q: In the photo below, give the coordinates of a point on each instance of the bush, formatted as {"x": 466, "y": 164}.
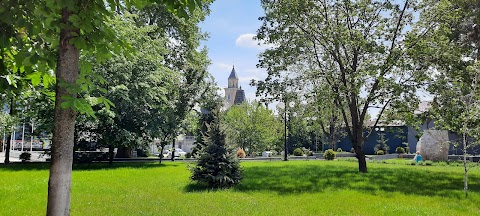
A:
{"x": 400, "y": 150}
{"x": 407, "y": 150}
{"x": 380, "y": 152}
{"x": 339, "y": 150}
{"x": 25, "y": 156}
{"x": 188, "y": 155}
{"x": 298, "y": 152}
{"x": 352, "y": 150}
{"x": 329, "y": 154}
{"x": 241, "y": 153}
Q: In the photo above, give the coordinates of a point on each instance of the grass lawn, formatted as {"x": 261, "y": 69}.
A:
{"x": 268, "y": 188}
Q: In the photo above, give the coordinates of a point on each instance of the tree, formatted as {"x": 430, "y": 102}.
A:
{"x": 453, "y": 53}
{"x": 217, "y": 165}
{"x": 252, "y": 127}
{"x": 71, "y": 27}
{"x": 360, "y": 48}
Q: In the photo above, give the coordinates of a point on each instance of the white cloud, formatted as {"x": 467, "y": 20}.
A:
{"x": 247, "y": 79}
{"x": 248, "y": 41}
{"x": 222, "y": 66}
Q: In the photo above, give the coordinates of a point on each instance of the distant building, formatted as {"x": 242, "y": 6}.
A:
{"x": 233, "y": 93}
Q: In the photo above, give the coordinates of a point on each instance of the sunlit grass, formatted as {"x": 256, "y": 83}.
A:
{"x": 268, "y": 188}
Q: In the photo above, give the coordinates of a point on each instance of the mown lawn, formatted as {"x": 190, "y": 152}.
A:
{"x": 268, "y": 188}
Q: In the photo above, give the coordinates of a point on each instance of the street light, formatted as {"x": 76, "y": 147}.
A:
{"x": 281, "y": 105}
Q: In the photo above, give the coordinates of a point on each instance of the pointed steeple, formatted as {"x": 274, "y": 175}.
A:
{"x": 233, "y": 74}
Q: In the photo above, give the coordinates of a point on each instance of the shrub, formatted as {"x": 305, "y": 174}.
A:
{"x": 188, "y": 155}
{"x": 380, "y": 152}
{"x": 339, "y": 150}
{"x": 400, "y": 150}
{"x": 25, "y": 156}
{"x": 298, "y": 152}
{"x": 329, "y": 154}
{"x": 407, "y": 150}
{"x": 241, "y": 153}
{"x": 352, "y": 150}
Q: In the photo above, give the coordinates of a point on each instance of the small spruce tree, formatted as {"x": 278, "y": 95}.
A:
{"x": 217, "y": 165}
{"x": 382, "y": 144}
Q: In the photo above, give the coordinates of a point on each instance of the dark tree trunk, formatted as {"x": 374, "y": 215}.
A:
{"x": 360, "y": 155}
{"x": 7, "y": 149}
{"x": 60, "y": 179}
{"x": 160, "y": 156}
{"x": 173, "y": 150}
{"x": 110, "y": 154}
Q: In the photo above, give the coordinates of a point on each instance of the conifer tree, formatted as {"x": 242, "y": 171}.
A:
{"x": 217, "y": 165}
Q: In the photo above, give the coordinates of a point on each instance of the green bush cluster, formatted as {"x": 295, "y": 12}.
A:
{"x": 329, "y": 154}
{"x": 352, "y": 150}
{"x": 298, "y": 152}
{"x": 25, "y": 156}
{"x": 400, "y": 150}
{"x": 407, "y": 150}
{"x": 380, "y": 152}
{"x": 339, "y": 150}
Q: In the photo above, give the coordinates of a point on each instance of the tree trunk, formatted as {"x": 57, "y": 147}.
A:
{"x": 360, "y": 155}
{"x": 7, "y": 149}
{"x": 60, "y": 179}
{"x": 9, "y": 140}
{"x": 173, "y": 150}
{"x": 362, "y": 162}
{"x": 160, "y": 156}
{"x": 465, "y": 167}
{"x": 110, "y": 154}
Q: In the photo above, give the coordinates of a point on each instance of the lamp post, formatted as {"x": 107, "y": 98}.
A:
{"x": 281, "y": 105}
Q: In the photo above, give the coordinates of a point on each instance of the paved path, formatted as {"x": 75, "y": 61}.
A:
{"x": 14, "y": 156}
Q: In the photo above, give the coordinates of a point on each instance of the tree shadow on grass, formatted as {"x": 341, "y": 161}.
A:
{"x": 310, "y": 178}
{"x": 86, "y": 166}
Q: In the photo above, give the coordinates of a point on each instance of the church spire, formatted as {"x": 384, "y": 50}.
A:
{"x": 233, "y": 74}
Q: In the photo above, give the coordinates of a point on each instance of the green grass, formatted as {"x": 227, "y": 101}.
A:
{"x": 268, "y": 188}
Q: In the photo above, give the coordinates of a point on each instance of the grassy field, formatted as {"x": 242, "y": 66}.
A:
{"x": 268, "y": 188}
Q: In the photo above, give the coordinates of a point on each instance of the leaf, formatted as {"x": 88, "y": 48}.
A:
{"x": 35, "y": 78}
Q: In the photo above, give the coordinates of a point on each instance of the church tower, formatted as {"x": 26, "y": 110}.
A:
{"x": 233, "y": 94}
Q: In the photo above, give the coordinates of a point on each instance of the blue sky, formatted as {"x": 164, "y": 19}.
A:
{"x": 231, "y": 26}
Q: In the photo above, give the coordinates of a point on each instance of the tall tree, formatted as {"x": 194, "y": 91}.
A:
{"x": 71, "y": 27}
{"x": 360, "y": 48}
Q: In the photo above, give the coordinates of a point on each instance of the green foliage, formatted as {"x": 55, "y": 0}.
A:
{"x": 428, "y": 162}
{"x": 407, "y": 150}
{"x": 380, "y": 152}
{"x": 352, "y": 150}
{"x": 252, "y": 126}
{"x": 241, "y": 153}
{"x": 358, "y": 50}
{"x": 25, "y": 156}
{"x": 217, "y": 165}
{"x": 339, "y": 150}
{"x": 400, "y": 150}
{"x": 329, "y": 154}
{"x": 382, "y": 144}
{"x": 298, "y": 152}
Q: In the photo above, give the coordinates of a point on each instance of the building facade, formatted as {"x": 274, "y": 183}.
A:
{"x": 234, "y": 94}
